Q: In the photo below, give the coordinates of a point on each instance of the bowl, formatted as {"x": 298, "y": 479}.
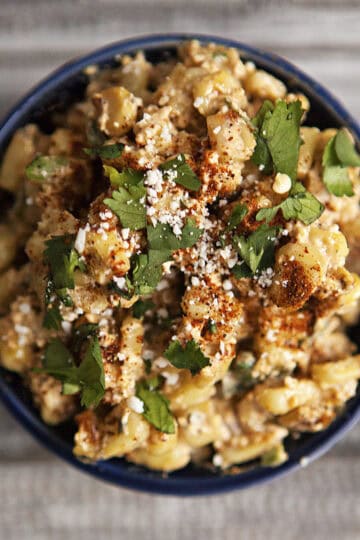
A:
{"x": 56, "y": 92}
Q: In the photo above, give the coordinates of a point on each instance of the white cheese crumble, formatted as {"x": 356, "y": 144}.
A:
{"x": 217, "y": 460}
{"x": 227, "y": 285}
{"x": 119, "y": 281}
{"x": 171, "y": 378}
{"x": 161, "y": 362}
{"x": 265, "y": 278}
{"x": 198, "y": 101}
{"x": 80, "y": 240}
{"x": 21, "y": 329}
{"x": 135, "y": 404}
{"x": 24, "y": 308}
{"x": 66, "y": 326}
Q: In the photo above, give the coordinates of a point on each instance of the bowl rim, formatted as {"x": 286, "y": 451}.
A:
{"x": 110, "y": 470}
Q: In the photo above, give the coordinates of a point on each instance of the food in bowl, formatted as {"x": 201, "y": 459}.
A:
{"x": 179, "y": 263}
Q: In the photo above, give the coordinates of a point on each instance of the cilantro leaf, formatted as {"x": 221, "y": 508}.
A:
{"x": 125, "y": 178}
{"x": 300, "y": 204}
{"x": 190, "y": 357}
{"x": 337, "y": 181}
{"x": 81, "y": 333}
{"x": 262, "y": 157}
{"x": 345, "y": 150}
{"x": 258, "y": 119}
{"x": 147, "y": 270}
{"x": 242, "y": 270}
{"x": 147, "y": 363}
{"x": 106, "y": 151}
{"x": 63, "y": 260}
{"x": 339, "y": 153}
{"x": 43, "y": 167}
{"x": 94, "y": 134}
{"x": 141, "y": 307}
{"x": 53, "y": 318}
{"x": 161, "y": 237}
{"x": 212, "y": 327}
{"x": 257, "y": 251}
{"x": 156, "y": 407}
{"x": 278, "y": 137}
{"x": 178, "y": 170}
{"x": 91, "y": 375}
{"x": 237, "y": 215}
{"x": 147, "y": 267}
{"x": 128, "y": 203}
{"x": 88, "y": 378}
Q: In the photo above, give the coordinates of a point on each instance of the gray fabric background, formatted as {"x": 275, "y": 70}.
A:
{"x": 40, "y": 497}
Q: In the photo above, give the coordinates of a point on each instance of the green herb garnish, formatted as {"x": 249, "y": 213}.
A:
{"x": 156, "y": 406}
{"x": 147, "y": 267}
{"x": 257, "y": 251}
{"x": 81, "y": 333}
{"x": 124, "y": 178}
{"x": 278, "y": 137}
{"x": 43, "y": 167}
{"x": 53, "y": 318}
{"x": 178, "y": 170}
{"x": 106, "y": 151}
{"x": 339, "y": 153}
{"x": 188, "y": 357}
{"x": 63, "y": 260}
{"x": 141, "y": 307}
{"x": 212, "y": 327}
{"x": 128, "y": 203}
{"x": 237, "y": 215}
{"x": 87, "y": 378}
{"x": 300, "y": 204}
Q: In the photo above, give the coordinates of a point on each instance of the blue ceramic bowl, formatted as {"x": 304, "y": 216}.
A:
{"x": 67, "y": 85}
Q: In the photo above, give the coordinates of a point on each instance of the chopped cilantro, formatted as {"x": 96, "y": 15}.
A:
{"x": 63, "y": 260}
{"x": 125, "y": 178}
{"x": 178, "y": 170}
{"x": 43, "y": 167}
{"x": 212, "y": 327}
{"x": 94, "y": 135}
{"x": 147, "y": 267}
{"x": 156, "y": 406}
{"x": 266, "y": 107}
{"x": 81, "y": 333}
{"x": 345, "y": 150}
{"x": 274, "y": 457}
{"x": 339, "y": 153}
{"x": 161, "y": 237}
{"x": 147, "y": 270}
{"x": 300, "y": 204}
{"x": 278, "y": 137}
{"x": 147, "y": 363}
{"x": 257, "y": 251}
{"x": 128, "y": 203}
{"x": 243, "y": 372}
{"x": 87, "y": 378}
{"x": 105, "y": 151}
{"x": 53, "y": 318}
{"x": 190, "y": 357}
{"x": 237, "y": 215}
{"x": 141, "y": 307}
